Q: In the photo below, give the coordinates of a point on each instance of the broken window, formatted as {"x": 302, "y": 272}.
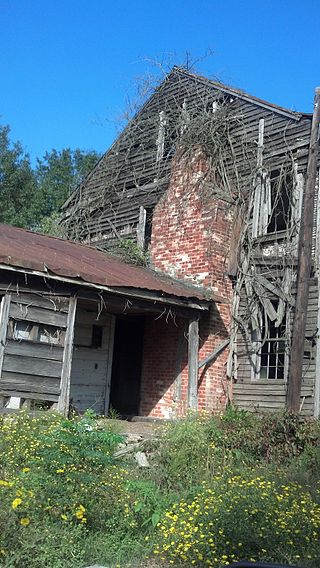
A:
{"x": 22, "y": 330}
{"x": 273, "y": 349}
{"x": 281, "y": 187}
{"x": 272, "y": 202}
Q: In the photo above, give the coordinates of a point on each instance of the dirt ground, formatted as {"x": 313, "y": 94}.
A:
{"x": 144, "y": 428}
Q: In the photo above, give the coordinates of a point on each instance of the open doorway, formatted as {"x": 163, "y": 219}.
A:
{"x": 127, "y": 365}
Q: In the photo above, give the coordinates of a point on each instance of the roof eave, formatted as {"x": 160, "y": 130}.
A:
{"x": 138, "y": 293}
{"x": 243, "y": 95}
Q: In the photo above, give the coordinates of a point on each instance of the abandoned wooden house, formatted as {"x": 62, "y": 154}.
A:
{"x": 206, "y": 187}
{"x": 72, "y": 321}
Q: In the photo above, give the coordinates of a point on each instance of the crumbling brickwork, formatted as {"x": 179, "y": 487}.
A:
{"x": 190, "y": 240}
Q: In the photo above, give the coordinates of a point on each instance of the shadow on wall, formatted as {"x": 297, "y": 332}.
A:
{"x": 164, "y": 377}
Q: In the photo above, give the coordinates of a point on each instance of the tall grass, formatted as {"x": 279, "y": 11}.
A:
{"x": 219, "y": 488}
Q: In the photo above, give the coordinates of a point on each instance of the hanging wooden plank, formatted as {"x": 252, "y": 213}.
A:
{"x": 193, "y": 363}
{"x": 63, "y": 402}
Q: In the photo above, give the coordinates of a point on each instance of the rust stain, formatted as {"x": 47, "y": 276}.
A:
{"x": 24, "y": 249}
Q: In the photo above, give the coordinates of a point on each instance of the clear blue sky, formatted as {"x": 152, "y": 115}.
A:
{"x": 67, "y": 66}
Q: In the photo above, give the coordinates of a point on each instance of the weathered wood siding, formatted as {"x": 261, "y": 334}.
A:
{"x": 32, "y": 364}
{"x": 106, "y": 206}
{"x": 255, "y": 394}
{"x": 91, "y": 366}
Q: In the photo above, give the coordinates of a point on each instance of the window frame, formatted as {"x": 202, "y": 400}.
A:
{"x": 35, "y": 333}
{"x": 264, "y": 339}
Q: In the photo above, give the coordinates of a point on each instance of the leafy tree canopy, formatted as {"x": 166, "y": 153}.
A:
{"x": 32, "y": 197}
{"x": 58, "y": 174}
{"x": 18, "y": 186}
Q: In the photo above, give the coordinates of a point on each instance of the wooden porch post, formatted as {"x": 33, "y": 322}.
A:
{"x": 63, "y": 402}
{"x": 193, "y": 363}
{"x": 4, "y": 316}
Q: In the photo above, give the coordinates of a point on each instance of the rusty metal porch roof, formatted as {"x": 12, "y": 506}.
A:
{"x": 23, "y": 249}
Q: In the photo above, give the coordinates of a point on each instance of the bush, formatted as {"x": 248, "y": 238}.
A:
{"x": 214, "y": 482}
{"x": 59, "y": 475}
{"x": 236, "y": 439}
{"x": 238, "y": 518}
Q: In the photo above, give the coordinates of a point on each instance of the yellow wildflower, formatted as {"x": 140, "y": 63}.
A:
{"x": 25, "y": 521}
{"x": 16, "y": 502}
{"x": 79, "y": 513}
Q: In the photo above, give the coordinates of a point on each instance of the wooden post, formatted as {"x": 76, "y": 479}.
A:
{"x": 193, "y": 363}
{"x": 112, "y": 325}
{"x": 141, "y": 229}
{"x": 63, "y": 402}
{"x": 4, "y": 316}
{"x": 316, "y": 395}
{"x": 304, "y": 266}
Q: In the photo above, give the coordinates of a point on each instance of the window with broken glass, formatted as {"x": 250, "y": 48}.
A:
{"x": 22, "y": 330}
{"x": 272, "y": 207}
{"x": 273, "y": 350}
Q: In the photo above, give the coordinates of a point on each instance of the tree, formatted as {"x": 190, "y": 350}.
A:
{"x": 57, "y": 175}
{"x": 18, "y": 187}
{"x": 32, "y": 198}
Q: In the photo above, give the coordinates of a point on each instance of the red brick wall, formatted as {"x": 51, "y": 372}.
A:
{"x": 161, "y": 367}
{"x": 190, "y": 240}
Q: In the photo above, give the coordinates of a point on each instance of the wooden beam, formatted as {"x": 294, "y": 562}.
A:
{"x": 317, "y": 263}
{"x": 214, "y": 354}
{"x": 258, "y": 184}
{"x": 180, "y": 354}
{"x": 112, "y": 326}
{"x": 193, "y": 363}
{"x": 63, "y": 402}
{"x": 4, "y": 315}
{"x": 141, "y": 228}
{"x": 304, "y": 266}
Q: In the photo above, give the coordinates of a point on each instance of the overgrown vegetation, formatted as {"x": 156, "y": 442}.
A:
{"x": 130, "y": 252}
{"x": 219, "y": 489}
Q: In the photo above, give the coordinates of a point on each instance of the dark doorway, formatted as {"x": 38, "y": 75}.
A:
{"x": 126, "y": 366}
